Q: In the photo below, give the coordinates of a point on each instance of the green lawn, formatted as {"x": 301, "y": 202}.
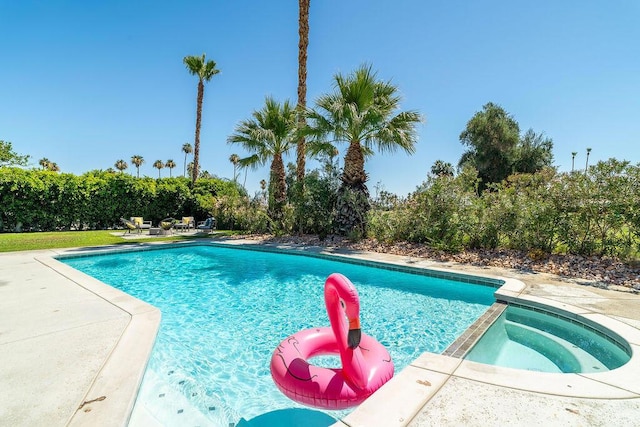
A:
{"x": 10, "y": 242}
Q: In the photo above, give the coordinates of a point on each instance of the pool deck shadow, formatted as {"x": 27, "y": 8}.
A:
{"x": 73, "y": 351}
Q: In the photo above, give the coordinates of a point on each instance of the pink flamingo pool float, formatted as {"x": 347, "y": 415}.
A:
{"x": 366, "y": 364}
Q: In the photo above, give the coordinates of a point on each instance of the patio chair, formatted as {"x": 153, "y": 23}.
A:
{"x": 140, "y": 222}
{"x": 129, "y": 226}
{"x": 207, "y": 225}
{"x": 187, "y": 223}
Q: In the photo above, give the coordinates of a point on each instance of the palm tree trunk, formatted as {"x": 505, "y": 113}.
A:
{"x": 303, "y": 43}
{"x": 352, "y": 204}
{"x": 353, "y": 174}
{"x": 196, "y": 145}
{"x": 277, "y": 187}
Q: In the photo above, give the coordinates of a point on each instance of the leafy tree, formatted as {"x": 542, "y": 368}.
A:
{"x": 158, "y": 165}
{"x": 491, "y": 135}
{"x": 53, "y": 166}
{"x": 170, "y": 164}
{"x": 8, "y": 157}
{"x": 442, "y": 168}
{"x": 186, "y": 149}
{"x": 205, "y": 70}
{"x": 362, "y": 111}
{"x": 496, "y": 149}
{"x": 533, "y": 153}
{"x": 121, "y": 165}
{"x": 137, "y": 160}
{"x": 269, "y": 135}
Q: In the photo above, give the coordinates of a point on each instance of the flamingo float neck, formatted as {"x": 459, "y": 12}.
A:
{"x": 342, "y": 303}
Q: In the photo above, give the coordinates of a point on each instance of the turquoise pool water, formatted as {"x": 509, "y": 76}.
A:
{"x": 224, "y": 311}
{"x": 526, "y": 339}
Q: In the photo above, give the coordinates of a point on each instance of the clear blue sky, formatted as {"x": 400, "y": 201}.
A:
{"x": 86, "y": 83}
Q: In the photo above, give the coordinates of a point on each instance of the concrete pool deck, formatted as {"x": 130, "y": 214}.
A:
{"x": 73, "y": 352}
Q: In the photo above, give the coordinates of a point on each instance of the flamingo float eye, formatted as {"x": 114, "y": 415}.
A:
{"x": 342, "y": 304}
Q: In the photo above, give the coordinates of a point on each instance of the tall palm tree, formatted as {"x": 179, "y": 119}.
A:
{"x": 573, "y": 158}
{"x": 586, "y": 165}
{"x": 44, "y": 162}
{"x": 121, "y": 165}
{"x": 205, "y": 70}
{"x": 234, "y": 159}
{"x": 137, "y": 160}
{"x": 170, "y": 164}
{"x": 269, "y": 135}
{"x": 303, "y": 44}
{"x": 158, "y": 165}
{"x": 362, "y": 113}
{"x": 186, "y": 149}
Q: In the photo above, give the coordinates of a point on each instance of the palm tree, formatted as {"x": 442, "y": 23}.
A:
{"x": 53, "y": 166}
{"x": 269, "y": 135}
{"x": 573, "y": 158}
{"x": 158, "y": 165}
{"x": 234, "y": 159}
{"x": 44, "y": 162}
{"x": 362, "y": 113}
{"x": 263, "y": 187}
{"x": 303, "y": 43}
{"x": 137, "y": 160}
{"x": 190, "y": 168}
{"x": 586, "y": 165}
{"x": 186, "y": 149}
{"x": 205, "y": 70}
{"x": 121, "y": 165}
{"x": 170, "y": 164}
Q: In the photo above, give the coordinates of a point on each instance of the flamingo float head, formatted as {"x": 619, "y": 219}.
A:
{"x": 341, "y": 296}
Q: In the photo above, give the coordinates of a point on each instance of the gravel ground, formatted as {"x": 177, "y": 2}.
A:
{"x": 602, "y": 272}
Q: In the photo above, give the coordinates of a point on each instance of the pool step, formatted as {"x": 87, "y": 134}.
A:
{"x": 568, "y": 357}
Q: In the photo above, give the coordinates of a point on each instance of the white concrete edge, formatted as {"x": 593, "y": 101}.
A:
{"x": 110, "y": 399}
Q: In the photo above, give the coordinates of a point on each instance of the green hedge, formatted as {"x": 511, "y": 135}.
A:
{"x": 35, "y": 200}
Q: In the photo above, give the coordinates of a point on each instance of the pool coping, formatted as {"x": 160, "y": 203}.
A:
{"x": 397, "y": 403}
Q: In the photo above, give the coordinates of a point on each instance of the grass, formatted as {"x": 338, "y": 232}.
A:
{"x": 11, "y": 242}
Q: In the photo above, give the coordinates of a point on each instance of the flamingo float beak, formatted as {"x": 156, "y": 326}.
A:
{"x": 354, "y": 333}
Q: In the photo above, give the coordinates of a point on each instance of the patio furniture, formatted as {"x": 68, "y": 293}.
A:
{"x": 187, "y": 223}
{"x": 129, "y": 226}
{"x": 140, "y": 222}
{"x": 166, "y": 226}
{"x": 207, "y": 225}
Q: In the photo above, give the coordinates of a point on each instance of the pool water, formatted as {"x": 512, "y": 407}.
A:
{"x": 526, "y": 339}
{"x": 224, "y": 311}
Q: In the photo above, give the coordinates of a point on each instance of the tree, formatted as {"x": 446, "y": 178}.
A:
{"x": 491, "y": 135}
{"x": 158, "y": 165}
{"x": 496, "y": 149}
{"x": 586, "y": 165}
{"x": 121, "y": 165}
{"x": 186, "y": 149}
{"x": 532, "y": 153}
{"x": 303, "y": 43}
{"x": 137, "y": 160}
{"x": 205, "y": 70}
{"x": 53, "y": 166}
{"x": 269, "y": 135}
{"x": 441, "y": 168}
{"x": 8, "y": 157}
{"x": 234, "y": 159}
{"x": 573, "y": 158}
{"x": 44, "y": 163}
{"x": 170, "y": 164}
{"x": 362, "y": 113}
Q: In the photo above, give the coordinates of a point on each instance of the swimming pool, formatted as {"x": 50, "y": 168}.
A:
{"x": 225, "y": 310}
{"x": 534, "y": 340}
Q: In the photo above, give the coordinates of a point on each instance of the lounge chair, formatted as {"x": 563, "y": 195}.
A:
{"x": 129, "y": 226}
{"x": 209, "y": 224}
{"x": 140, "y": 222}
{"x": 187, "y": 223}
